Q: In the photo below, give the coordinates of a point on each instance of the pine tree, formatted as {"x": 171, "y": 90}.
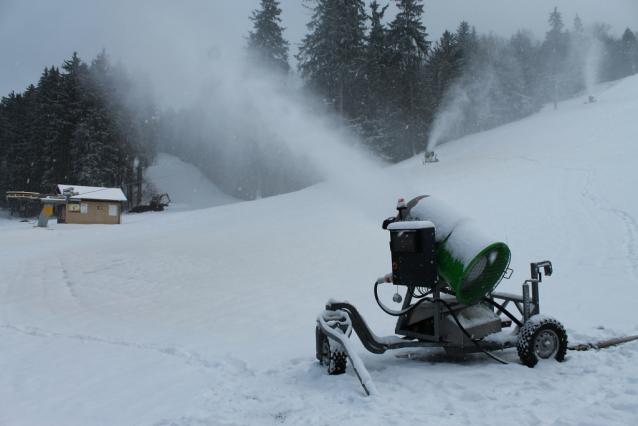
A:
{"x": 15, "y": 139}
{"x": 580, "y": 45}
{"x": 452, "y": 56}
{"x": 60, "y": 152}
{"x": 266, "y": 44}
{"x": 555, "y": 51}
{"x": 331, "y": 57}
{"x": 96, "y": 134}
{"x": 466, "y": 44}
{"x": 376, "y": 94}
{"x": 611, "y": 61}
{"x": 48, "y": 122}
{"x": 377, "y": 52}
{"x": 629, "y": 51}
{"x": 503, "y": 98}
{"x": 526, "y": 51}
{"x": 441, "y": 69}
{"x": 74, "y": 127}
{"x": 579, "y": 28}
{"x": 137, "y": 122}
{"x": 407, "y": 40}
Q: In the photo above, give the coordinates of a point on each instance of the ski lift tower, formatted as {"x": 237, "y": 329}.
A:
{"x": 49, "y": 202}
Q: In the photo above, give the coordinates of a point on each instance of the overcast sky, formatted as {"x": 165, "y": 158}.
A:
{"x": 179, "y": 43}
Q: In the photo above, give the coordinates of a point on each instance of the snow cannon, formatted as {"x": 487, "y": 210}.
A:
{"x": 449, "y": 268}
{"x": 468, "y": 259}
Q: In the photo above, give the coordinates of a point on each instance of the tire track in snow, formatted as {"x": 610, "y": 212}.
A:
{"x": 630, "y": 223}
{"x": 189, "y": 357}
{"x": 70, "y": 287}
{"x": 631, "y": 246}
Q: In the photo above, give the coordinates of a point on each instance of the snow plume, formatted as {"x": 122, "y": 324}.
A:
{"x": 584, "y": 63}
{"x": 466, "y": 107}
{"x": 446, "y": 123}
{"x": 274, "y": 135}
{"x": 493, "y": 89}
{"x": 593, "y": 59}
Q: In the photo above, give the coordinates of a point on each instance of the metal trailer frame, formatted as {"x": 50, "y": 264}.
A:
{"x": 341, "y": 318}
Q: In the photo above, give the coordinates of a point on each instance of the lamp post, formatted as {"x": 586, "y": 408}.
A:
{"x": 138, "y": 170}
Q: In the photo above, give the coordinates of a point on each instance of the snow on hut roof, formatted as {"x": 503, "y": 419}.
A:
{"x": 95, "y": 193}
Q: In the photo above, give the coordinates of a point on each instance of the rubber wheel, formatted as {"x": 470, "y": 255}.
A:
{"x": 319, "y": 336}
{"x": 541, "y": 339}
{"x": 333, "y": 357}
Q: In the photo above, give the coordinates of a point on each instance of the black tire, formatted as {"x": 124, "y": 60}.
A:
{"x": 319, "y": 343}
{"x": 540, "y": 339}
{"x": 330, "y": 354}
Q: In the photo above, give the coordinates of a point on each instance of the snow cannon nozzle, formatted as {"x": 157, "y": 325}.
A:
{"x": 401, "y": 207}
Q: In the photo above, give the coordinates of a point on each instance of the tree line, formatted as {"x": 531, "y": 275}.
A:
{"x": 381, "y": 79}
{"x": 82, "y": 124}
{"x": 388, "y": 84}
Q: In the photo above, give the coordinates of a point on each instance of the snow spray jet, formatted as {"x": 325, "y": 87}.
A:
{"x": 593, "y": 59}
{"x": 451, "y": 122}
{"x": 258, "y": 104}
{"x": 447, "y": 120}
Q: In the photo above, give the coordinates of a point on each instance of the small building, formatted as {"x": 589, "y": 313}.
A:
{"x": 92, "y": 205}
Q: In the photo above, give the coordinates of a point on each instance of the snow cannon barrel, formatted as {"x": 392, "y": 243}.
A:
{"x": 470, "y": 260}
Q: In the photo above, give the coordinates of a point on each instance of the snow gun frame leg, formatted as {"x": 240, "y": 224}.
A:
{"x": 540, "y": 337}
{"x": 334, "y": 328}
{"x": 335, "y": 325}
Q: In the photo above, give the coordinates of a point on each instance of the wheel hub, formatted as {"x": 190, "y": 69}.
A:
{"x": 546, "y": 345}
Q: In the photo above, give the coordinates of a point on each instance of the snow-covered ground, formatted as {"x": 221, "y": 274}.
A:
{"x": 207, "y": 317}
{"x": 185, "y": 184}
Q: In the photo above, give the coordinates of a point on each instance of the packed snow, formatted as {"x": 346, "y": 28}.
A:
{"x": 206, "y": 316}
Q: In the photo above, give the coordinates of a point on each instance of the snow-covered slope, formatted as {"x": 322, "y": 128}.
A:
{"x": 185, "y": 184}
{"x": 206, "y": 317}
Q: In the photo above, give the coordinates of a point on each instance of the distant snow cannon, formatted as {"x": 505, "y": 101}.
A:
{"x": 468, "y": 259}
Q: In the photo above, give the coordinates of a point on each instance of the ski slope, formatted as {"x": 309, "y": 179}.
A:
{"x": 206, "y": 316}
{"x": 188, "y": 188}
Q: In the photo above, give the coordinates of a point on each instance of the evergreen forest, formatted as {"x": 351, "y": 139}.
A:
{"x": 380, "y": 79}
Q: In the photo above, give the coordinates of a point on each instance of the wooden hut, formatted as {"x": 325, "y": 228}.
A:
{"x": 92, "y": 205}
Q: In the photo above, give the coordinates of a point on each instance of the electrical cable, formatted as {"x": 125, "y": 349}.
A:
{"x": 485, "y": 351}
{"x": 449, "y": 308}
{"x": 390, "y": 311}
{"x": 128, "y": 184}
{"x": 423, "y": 291}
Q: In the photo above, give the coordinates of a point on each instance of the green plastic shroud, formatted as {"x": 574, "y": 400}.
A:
{"x": 473, "y": 281}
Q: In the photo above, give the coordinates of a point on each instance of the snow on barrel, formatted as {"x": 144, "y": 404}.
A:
{"x": 469, "y": 259}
